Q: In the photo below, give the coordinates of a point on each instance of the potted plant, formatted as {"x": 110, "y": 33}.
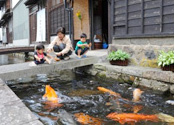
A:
{"x": 118, "y": 58}
{"x": 166, "y": 61}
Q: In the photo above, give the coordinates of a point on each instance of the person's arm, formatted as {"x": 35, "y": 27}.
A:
{"x": 50, "y": 56}
{"x": 37, "y": 58}
{"x": 50, "y": 47}
{"x": 81, "y": 45}
{"x": 67, "y": 48}
{"x": 89, "y": 45}
{"x": 47, "y": 55}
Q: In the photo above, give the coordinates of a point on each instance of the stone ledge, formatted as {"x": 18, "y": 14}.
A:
{"x": 12, "y": 110}
{"x": 9, "y": 72}
{"x": 144, "y": 72}
{"x": 149, "y": 77}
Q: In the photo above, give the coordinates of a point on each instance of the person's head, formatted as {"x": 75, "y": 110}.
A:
{"x": 83, "y": 37}
{"x": 61, "y": 32}
{"x": 40, "y": 48}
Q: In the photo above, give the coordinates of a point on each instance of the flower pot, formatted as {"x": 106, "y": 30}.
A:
{"x": 120, "y": 62}
{"x": 168, "y": 67}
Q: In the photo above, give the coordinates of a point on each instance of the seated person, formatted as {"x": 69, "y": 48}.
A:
{"x": 40, "y": 56}
{"x": 61, "y": 45}
{"x": 82, "y": 46}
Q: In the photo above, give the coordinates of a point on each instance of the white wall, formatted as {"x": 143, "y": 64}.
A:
{"x": 14, "y": 2}
{"x": 21, "y": 24}
{"x": 0, "y": 28}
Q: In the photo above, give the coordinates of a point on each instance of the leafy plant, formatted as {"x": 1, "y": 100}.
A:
{"x": 165, "y": 58}
{"x": 118, "y": 55}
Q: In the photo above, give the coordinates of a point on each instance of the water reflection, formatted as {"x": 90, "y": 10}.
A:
{"x": 10, "y": 59}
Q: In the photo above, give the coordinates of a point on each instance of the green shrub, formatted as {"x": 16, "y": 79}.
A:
{"x": 118, "y": 55}
{"x": 165, "y": 58}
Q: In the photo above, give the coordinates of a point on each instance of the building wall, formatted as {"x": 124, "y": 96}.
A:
{"x": 14, "y": 2}
{"x": 142, "y": 28}
{"x": 144, "y": 51}
{"x": 84, "y": 26}
{"x": 134, "y": 18}
{"x": 21, "y": 24}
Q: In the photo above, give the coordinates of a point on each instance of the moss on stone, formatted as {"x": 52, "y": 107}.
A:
{"x": 149, "y": 63}
{"x": 101, "y": 74}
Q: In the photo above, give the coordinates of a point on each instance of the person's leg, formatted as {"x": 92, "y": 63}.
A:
{"x": 79, "y": 51}
{"x": 59, "y": 48}
{"x": 68, "y": 54}
{"x": 56, "y": 48}
{"x": 41, "y": 62}
{"x": 85, "y": 50}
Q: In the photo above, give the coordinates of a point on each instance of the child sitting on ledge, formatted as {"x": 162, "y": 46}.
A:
{"x": 40, "y": 56}
{"x": 82, "y": 46}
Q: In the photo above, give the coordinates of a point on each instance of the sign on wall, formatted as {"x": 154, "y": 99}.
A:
{"x": 41, "y": 26}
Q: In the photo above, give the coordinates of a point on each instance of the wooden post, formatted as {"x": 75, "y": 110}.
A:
{"x": 26, "y": 55}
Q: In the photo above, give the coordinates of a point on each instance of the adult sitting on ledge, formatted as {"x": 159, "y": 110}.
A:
{"x": 61, "y": 45}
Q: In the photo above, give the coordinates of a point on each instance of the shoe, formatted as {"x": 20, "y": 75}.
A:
{"x": 67, "y": 58}
{"x": 57, "y": 59}
{"x": 79, "y": 57}
{"x": 84, "y": 56}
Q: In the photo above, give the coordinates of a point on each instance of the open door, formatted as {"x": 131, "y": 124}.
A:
{"x": 99, "y": 23}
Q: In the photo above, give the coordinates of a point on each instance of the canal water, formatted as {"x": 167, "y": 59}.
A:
{"x": 79, "y": 95}
{"x": 11, "y": 59}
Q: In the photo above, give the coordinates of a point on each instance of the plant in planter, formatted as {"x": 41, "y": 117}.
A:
{"x": 118, "y": 58}
{"x": 166, "y": 60}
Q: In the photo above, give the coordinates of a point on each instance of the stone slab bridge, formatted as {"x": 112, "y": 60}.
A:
{"x": 12, "y": 109}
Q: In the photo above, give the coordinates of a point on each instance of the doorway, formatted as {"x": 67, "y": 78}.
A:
{"x": 99, "y": 23}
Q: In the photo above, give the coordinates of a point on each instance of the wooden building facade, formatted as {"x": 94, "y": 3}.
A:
{"x": 6, "y": 21}
{"x": 109, "y": 19}
{"x": 142, "y": 18}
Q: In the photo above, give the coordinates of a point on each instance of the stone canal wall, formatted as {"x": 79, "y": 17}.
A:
{"x": 153, "y": 78}
{"x": 12, "y": 109}
{"x": 143, "y": 51}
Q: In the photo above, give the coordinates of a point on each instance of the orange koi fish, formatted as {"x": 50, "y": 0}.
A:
{"x": 108, "y": 91}
{"x": 87, "y": 120}
{"x": 50, "y": 94}
{"x": 52, "y": 99}
{"x": 131, "y": 118}
{"x": 136, "y": 95}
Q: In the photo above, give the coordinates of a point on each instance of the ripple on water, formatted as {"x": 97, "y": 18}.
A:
{"x": 81, "y": 96}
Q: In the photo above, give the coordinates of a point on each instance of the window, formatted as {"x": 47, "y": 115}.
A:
{"x": 143, "y": 18}
{"x": 58, "y": 18}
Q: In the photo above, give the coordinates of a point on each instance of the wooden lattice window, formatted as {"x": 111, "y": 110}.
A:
{"x": 134, "y": 18}
{"x": 58, "y": 18}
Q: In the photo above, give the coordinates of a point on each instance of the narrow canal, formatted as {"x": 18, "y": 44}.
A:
{"x": 82, "y": 103}
{"x": 11, "y": 59}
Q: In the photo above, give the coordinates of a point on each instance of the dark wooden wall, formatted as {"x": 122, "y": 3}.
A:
{"x": 142, "y": 18}
{"x": 58, "y": 18}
